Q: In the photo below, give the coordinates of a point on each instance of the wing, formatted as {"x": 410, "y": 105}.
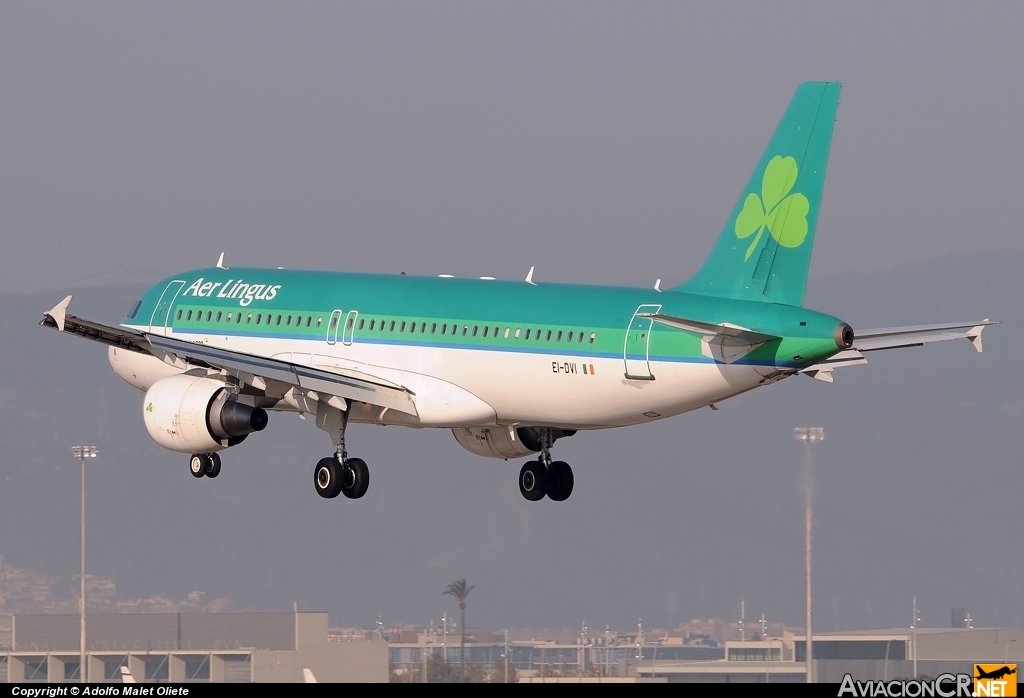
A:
{"x": 332, "y": 386}
{"x": 896, "y": 338}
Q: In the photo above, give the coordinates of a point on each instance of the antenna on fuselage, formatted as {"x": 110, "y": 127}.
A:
{"x": 529, "y": 277}
{"x": 220, "y": 262}
{"x": 657, "y": 285}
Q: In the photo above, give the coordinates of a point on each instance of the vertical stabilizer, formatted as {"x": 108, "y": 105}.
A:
{"x": 765, "y": 249}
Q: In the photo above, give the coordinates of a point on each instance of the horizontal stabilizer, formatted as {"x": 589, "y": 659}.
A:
{"x": 709, "y": 330}
{"x": 723, "y": 343}
{"x": 895, "y": 338}
{"x": 915, "y": 336}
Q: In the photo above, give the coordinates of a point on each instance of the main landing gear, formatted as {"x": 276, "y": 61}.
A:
{"x": 204, "y": 464}
{"x": 546, "y": 477}
{"x": 339, "y": 474}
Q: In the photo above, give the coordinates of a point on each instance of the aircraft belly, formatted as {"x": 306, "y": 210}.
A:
{"x": 466, "y": 387}
{"x": 528, "y": 388}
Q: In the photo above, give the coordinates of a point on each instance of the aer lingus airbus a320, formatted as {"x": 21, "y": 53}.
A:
{"x": 509, "y": 366}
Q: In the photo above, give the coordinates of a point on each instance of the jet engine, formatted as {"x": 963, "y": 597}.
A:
{"x": 195, "y": 414}
{"x": 505, "y": 441}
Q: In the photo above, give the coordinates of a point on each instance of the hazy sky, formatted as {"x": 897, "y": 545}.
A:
{"x": 598, "y": 141}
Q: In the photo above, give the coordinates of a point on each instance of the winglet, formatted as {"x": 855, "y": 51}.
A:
{"x": 58, "y": 312}
{"x": 220, "y": 262}
{"x": 975, "y": 335}
{"x": 126, "y": 675}
{"x": 307, "y": 676}
{"x": 529, "y": 277}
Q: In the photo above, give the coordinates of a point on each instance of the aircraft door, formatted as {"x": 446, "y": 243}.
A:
{"x": 160, "y": 319}
{"x": 636, "y": 348}
{"x": 332, "y": 327}
{"x": 348, "y": 334}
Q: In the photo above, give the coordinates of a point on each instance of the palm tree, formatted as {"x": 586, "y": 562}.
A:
{"x": 460, "y": 591}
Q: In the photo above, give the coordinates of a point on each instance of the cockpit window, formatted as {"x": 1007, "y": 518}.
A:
{"x": 135, "y": 310}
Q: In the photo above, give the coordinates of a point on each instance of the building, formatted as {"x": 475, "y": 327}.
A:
{"x": 182, "y": 647}
{"x": 867, "y": 655}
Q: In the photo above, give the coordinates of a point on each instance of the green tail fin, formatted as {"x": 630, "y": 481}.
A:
{"x": 765, "y": 249}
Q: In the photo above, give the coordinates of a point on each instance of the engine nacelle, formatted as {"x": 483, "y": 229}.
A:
{"x": 505, "y": 442}
{"x": 194, "y": 414}
{"x": 140, "y": 370}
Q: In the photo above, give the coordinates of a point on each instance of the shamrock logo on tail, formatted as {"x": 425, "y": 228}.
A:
{"x": 784, "y": 214}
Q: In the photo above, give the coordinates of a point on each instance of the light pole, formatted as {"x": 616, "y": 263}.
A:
{"x": 913, "y": 628}
{"x": 81, "y": 453}
{"x": 809, "y": 436}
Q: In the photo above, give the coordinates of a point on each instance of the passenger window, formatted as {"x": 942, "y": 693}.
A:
{"x": 238, "y": 319}
{"x": 496, "y": 331}
{"x": 506, "y": 333}
{"x": 412, "y": 328}
{"x": 288, "y": 323}
{"x": 179, "y": 313}
{"x": 258, "y": 318}
{"x": 371, "y": 324}
{"x": 309, "y": 320}
{"x": 538, "y": 335}
{"x": 423, "y": 329}
{"x": 189, "y": 316}
{"x": 528, "y": 336}
{"x": 569, "y": 338}
{"x": 392, "y": 326}
{"x": 465, "y": 329}
{"x": 549, "y": 336}
{"x": 319, "y": 321}
{"x": 444, "y": 330}
{"x": 279, "y": 322}
{"x": 402, "y": 327}
{"x": 348, "y": 326}
{"x": 580, "y": 341}
{"x": 334, "y": 321}
{"x": 559, "y": 337}
{"x": 517, "y": 337}
{"x": 248, "y": 318}
{"x": 220, "y": 315}
{"x": 433, "y": 328}
{"x": 474, "y": 330}
{"x": 592, "y": 336}
{"x": 361, "y": 327}
{"x": 485, "y": 331}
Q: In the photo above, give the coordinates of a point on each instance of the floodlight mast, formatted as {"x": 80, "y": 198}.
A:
{"x": 81, "y": 453}
{"x": 809, "y": 436}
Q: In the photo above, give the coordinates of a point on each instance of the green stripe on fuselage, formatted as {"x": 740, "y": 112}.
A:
{"x": 602, "y": 311}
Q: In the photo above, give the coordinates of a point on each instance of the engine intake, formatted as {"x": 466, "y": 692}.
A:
{"x": 195, "y": 414}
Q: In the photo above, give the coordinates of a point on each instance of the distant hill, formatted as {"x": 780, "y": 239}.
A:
{"x": 919, "y": 483}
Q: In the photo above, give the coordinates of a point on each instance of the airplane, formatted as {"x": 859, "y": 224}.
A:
{"x": 511, "y": 367}
{"x": 995, "y": 674}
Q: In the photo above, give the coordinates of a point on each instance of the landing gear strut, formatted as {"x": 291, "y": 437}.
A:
{"x": 204, "y": 465}
{"x": 546, "y": 477}
{"x": 339, "y": 474}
